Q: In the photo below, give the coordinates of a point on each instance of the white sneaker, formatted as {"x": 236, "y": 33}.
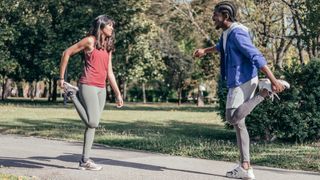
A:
{"x": 266, "y": 84}
{"x": 89, "y": 165}
{"x": 240, "y": 173}
{"x": 70, "y": 89}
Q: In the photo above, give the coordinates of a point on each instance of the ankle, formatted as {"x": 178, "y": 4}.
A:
{"x": 84, "y": 160}
{"x": 264, "y": 93}
{"x": 245, "y": 165}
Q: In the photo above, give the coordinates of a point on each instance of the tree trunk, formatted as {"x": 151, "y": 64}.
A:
{"x": 109, "y": 96}
{"x": 144, "y": 93}
{"x": 54, "y": 93}
{"x": 125, "y": 82}
{"x": 45, "y": 90}
{"x": 282, "y": 50}
{"x": 3, "y": 88}
{"x": 20, "y": 89}
{"x": 32, "y": 90}
{"x": 200, "y": 102}
{"x": 298, "y": 33}
{"x": 125, "y": 90}
{"x": 50, "y": 90}
{"x": 284, "y": 44}
{"x": 179, "y": 96}
{"x": 314, "y": 47}
{"x": 6, "y": 88}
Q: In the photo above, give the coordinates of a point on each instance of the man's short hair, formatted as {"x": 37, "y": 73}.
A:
{"x": 227, "y": 7}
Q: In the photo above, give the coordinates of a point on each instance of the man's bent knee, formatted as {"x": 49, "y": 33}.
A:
{"x": 230, "y": 117}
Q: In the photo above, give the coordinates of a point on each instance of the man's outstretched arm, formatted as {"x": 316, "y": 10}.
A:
{"x": 202, "y": 52}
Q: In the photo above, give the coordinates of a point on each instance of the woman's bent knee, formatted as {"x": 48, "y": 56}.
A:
{"x": 93, "y": 124}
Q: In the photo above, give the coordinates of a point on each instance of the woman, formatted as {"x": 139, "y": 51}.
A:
{"x": 97, "y": 47}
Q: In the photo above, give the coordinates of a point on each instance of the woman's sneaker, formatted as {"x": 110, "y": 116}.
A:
{"x": 89, "y": 165}
{"x": 240, "y": 173}
{"x": 70, "y": 89}
{"x": 266, "y": 84}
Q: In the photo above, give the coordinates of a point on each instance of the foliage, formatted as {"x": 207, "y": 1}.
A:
{"x": 7, "y": 35}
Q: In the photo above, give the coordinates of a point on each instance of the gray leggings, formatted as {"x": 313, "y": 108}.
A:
{"x": 240, "y": 103}
{"x": 89, "y": 108}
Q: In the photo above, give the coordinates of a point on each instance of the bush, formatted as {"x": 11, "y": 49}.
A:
{"x": 296, "y": 117}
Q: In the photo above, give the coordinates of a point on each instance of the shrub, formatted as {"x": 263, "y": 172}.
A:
{"x": 296, "y": 117}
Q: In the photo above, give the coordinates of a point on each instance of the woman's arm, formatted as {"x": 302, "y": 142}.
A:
{"x": 113, "y": 83}
{"x": 84, "y": 44}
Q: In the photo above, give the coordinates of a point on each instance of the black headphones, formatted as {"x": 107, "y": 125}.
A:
{"x": 227, "y": 6}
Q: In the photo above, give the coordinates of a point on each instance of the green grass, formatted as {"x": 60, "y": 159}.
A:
{"x": 13, "y": 177}
{"x": 184, "y": 131}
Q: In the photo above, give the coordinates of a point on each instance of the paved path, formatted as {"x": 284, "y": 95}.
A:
{"x": 57, "y": 160}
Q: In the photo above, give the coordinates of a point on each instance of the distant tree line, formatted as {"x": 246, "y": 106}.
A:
{"x": 154, "y": 43}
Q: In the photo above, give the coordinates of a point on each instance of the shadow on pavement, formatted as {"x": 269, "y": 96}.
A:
{"x": 26, "y": 163}
{"x": 75, "y": 158}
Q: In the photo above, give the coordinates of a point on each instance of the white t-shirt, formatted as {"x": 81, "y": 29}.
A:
{"x": 225, "y": 35}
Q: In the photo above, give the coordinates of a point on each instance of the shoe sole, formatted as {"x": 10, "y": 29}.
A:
{"x": 83, "y": 168}
{"x": 70, "y": 86}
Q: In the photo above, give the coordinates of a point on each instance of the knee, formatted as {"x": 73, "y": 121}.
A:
{"x": 93, "y": 124}
{"x": 231, "y": 119}
{"x": 233, "y": 122}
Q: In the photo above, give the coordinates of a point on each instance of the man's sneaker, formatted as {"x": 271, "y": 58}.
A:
{"x": 70, "y": 89}
{"x": 240, "y": 173}
{"x": 89, "y": 165}
{"x": 266, "y": 84}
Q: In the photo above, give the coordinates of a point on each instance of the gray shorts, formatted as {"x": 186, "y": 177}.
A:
{"x": 238, "y": 95}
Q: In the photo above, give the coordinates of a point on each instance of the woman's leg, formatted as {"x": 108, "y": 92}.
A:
{"x": 89, "y": 97}
{"x": 99, "y": 99}
{"x": 86, "y": 104}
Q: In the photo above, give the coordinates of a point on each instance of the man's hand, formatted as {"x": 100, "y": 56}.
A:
{"x": 277, "y": 86}
{"x": 199, "y": 53}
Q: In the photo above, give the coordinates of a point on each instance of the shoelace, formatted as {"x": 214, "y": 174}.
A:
{"x": 274, "y": 94}
{"x": 234, "y": 170}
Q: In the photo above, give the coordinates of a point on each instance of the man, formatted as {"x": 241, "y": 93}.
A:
{"x": 240, "y": 63}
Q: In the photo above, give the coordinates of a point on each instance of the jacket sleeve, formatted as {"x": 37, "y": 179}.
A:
{"x": 218, "y": 46}
{"x": 245, "y": 45}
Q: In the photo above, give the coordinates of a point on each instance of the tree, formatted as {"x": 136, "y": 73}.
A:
{"x": 270, "y": 28}
{"x": 305, "y": 15}
{"x": 7, "y": 37}
{"x": 179, "y": 66}
{"x": 136, "y": 59}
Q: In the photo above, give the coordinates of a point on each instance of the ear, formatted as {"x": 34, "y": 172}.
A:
{"x": 226, "y": 16}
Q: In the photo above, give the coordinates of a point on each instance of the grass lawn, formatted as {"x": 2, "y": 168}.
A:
{"x": 13, "y": 177}
{"x": 183, "y": 131}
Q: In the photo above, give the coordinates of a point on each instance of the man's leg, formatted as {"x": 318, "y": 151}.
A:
{"x": 245, "y": 109}
{"x": 244, "y": 169}
{"x": 240, "y": 102}
{"x": 243, "y": 140}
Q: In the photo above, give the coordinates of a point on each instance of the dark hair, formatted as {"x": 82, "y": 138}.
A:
{"x": 97, "y": 25}
{"x": 227, "y": 7}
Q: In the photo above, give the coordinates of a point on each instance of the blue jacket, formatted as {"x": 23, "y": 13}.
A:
{"x": 242, "y": 59}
